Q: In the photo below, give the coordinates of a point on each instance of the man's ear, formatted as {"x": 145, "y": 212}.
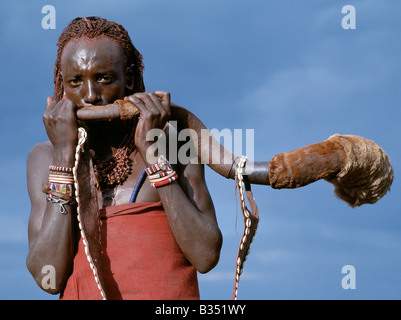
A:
{"x": 129, "y": 73}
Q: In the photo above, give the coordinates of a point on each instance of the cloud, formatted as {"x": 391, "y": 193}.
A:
{"x": 302, "y": 87}
{"x": 333, "y": 84}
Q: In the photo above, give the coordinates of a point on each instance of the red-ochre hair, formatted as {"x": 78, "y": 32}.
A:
{"x": 93, "y": 27}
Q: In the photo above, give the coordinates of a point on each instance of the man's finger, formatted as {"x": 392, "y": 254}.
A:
{"x": 164, "y": 96}
{"x": 143, "y": 109}
{"x": 165, "y": 100}
{"x": 50, "y": 104}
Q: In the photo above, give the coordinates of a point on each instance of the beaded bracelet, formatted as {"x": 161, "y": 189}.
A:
{"x": 161, "y": 174}
{"x": 61, "y": 173}
{"x": 64, "y": 188}
{"x": 57, "y": 190}
{"x": 61, "y": 179}
{"x": 60, "y": 186}
{"x": 164, "y": 182}
{"x": 60, "y": 194}
{"x": 161, "y": 165}
{"x": 163, "y": 178}
{"x": 61, "y": 182}
{"x": 52, "y": 193}
{"x": 62, "y": 169}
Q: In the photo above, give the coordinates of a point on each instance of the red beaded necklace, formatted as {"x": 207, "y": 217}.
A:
{"x": 116, "y": 170}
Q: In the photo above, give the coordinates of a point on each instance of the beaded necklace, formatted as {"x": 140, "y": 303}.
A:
{"x": 116, "y": 170}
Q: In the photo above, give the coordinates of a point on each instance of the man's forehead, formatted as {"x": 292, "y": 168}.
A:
{"x": 87, "y": 53}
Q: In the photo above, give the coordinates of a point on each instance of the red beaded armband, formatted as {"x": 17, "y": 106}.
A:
{"x": 164, "y": 181}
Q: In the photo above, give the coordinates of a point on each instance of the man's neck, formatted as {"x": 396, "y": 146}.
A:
{"x": 104, "y": 137}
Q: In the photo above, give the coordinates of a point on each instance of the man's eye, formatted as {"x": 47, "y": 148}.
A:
{"x": 75, "y": 82}
{"x": 105, "y": 79}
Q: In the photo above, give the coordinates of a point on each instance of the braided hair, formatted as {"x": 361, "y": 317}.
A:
{"x": 90, "y": 28}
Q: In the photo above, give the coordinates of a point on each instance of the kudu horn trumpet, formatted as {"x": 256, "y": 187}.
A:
{"x": 358, "y": 168}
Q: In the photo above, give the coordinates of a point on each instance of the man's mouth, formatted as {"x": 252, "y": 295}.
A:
{"x": 96, "y": 112}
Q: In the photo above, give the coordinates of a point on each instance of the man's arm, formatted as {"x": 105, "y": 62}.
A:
{"x": 187, "y": 203}
{"x": 50, "y": 233}
{"x": 190, "y": 211}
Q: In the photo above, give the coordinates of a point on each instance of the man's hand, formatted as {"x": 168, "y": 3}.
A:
{"x": 61, "y": 127}
{"x": 154, "y": 108}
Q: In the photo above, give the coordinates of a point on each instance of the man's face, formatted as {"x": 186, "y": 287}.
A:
{"x": 94, "y": 71}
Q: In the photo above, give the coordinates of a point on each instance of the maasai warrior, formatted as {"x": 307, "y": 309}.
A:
{"x": 153, "y": 241}
{"x": 154, "y": 225}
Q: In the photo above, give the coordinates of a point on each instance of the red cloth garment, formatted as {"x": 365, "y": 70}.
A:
{"x": 140, "y": 258}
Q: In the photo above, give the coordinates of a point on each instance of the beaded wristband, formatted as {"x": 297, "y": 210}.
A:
{"x": 61, "y": 179}
{"x": 63, "y": 169}
{"x": 161, "y": 174}
{"x": 55, "y": 195}
{"x": 163, "y": 178}
{"x": 161, "y": 165}
{"x": 61, "y": 173}
{"x": 164, "y": 181}
{"x": 60, "y": 190}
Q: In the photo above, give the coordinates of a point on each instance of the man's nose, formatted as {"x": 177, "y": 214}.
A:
{"x": 91, "y": 94}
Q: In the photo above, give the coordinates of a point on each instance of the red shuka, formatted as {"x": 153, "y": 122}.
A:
{"x": 140, "y": 258}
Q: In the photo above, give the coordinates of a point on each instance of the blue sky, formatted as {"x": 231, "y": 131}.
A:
{"x": 287, "y": 70}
